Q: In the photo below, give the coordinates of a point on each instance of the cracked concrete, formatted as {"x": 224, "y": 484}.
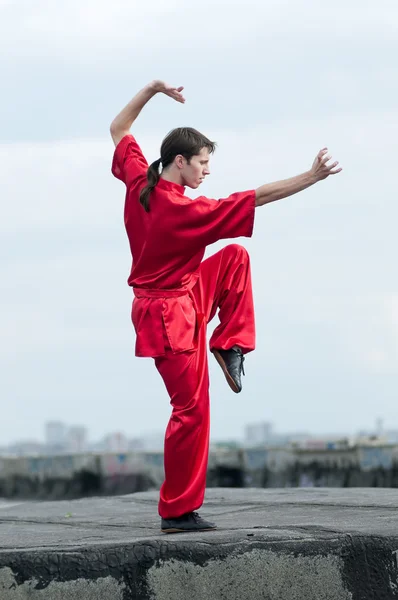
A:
{"x": 282, "y": 576}
{"x": 290, "y": 544}
{"x": 101, "y": 589}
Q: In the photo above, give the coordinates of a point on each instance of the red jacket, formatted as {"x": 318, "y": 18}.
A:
{"x": 167, "y": 246}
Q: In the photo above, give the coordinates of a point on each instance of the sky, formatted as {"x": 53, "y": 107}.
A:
{"x": 272, "y": 82}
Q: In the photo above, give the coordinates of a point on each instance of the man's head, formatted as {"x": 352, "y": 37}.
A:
{"x": 185, "y": 155}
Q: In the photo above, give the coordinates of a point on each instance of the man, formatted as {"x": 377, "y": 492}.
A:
{"x": 176, "y": 293}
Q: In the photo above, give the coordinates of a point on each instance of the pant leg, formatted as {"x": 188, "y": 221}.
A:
{"x": 225, "y": 283}
{"x": 186, "y": 445}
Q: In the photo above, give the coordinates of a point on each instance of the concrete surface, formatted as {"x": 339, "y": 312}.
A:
{"x": 297, "y": 544}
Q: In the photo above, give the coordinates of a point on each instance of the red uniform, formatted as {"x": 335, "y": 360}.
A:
{"x": 176, "y": 295}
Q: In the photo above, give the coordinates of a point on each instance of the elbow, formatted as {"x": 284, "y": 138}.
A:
{"x": 117, "y": 132}
{"x": 114, "y": 129}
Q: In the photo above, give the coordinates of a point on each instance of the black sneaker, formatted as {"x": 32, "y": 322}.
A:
{"x": 231, "y": 362}
{"x": 189, "y": 522}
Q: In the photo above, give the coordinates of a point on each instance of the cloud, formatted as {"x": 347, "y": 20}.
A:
{"x": 248, "y": 64}
{"x": 104, "y": 27}
{"x": 106, "y": 36}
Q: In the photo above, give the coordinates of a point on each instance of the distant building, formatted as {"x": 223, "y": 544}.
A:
{"x": 153, "y": 442}
{"x": 56, "y": 436}
{"x": 387, "y": 436}
{"x": 258, "y": 434}
{"x": 392, "y": 436}
{"x": 136, "y": 444}
{"x": 77, "y": 439}
{"x": 24, "y": 448}
{"x": 263, "y": 434}
{"x": 115, "y": 442}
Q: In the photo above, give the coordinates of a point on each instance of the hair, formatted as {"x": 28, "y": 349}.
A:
{"x": 185, "y": 141}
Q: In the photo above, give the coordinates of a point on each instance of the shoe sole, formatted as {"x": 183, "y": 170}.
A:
{"x": 228, "y": 377}
{"x": 175, "y": 530}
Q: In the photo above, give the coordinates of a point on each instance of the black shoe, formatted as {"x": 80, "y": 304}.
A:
{"x": 231, "y": 362}
{"x": 189, "y": 522}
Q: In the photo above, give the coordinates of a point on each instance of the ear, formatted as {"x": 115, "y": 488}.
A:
{"x": 180, "y": 161}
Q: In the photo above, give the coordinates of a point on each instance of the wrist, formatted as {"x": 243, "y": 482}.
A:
{"x": 312, "y": 178}
{"x": 153, "y": 87}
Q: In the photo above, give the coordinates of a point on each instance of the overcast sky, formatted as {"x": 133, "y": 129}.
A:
{"x": 272, "y": 81}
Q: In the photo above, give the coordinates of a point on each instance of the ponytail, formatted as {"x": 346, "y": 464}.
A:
{"x": 153, "y": 177}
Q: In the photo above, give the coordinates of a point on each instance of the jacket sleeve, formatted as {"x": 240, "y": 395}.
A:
{"x": 203, "y": 221}
{"x": 128, "y": 163}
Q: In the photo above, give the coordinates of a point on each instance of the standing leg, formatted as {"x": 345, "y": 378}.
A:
{"x": 187, "y": 436}
{"x": 224, "y": 283}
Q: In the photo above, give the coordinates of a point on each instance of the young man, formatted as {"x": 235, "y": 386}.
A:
{"x": 176, "y": 293}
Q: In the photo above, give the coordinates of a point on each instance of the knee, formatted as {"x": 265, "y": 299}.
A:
{"x": 193, "y": 415}
{"x": 238, "y": 252}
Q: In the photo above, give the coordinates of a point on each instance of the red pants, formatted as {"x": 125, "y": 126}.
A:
{"x": 224, "y": 283}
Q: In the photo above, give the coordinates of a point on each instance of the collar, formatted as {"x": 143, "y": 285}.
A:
{"x": 170, "y": 186}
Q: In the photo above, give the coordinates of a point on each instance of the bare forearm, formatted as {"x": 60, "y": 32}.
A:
{"x": 282, "y": 189}
{"x": 122, "y": 123}
{"x": 321, "y": 169}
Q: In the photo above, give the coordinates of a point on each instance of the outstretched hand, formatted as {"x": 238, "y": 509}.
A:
{"x": 169, "y": 90}
{"x": 321, "y": 169}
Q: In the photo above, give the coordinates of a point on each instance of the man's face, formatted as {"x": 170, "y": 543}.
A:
{"x": 194, "y": 172}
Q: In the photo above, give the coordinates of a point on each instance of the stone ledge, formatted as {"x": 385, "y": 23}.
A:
{"x": 320, "y": 544}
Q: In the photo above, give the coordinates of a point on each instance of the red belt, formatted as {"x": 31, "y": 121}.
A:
{"x": 180, "y": 319}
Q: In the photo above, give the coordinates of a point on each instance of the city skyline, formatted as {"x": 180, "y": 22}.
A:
{"x": 60, "y": 437}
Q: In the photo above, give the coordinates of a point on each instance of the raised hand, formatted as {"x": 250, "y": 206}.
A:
{"x": 169, "y": 90}
{"x": 321, "y": 169}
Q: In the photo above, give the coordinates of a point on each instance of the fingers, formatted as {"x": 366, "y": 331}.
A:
{"x": 172, "y": 92}
{"x": 175, "y": 93}
{"x": 332, "y": 167}
{"x": 179, "y": 98}
{"x": 322, "y": 165}
{"x": 325, "y": 159}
